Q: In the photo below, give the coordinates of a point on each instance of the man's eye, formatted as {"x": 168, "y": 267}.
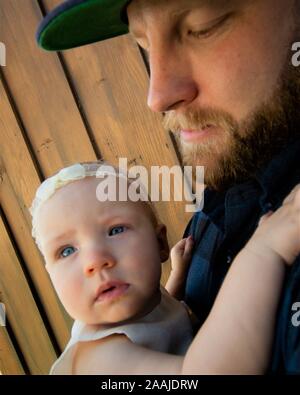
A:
{"x": 203, "y": 33}
{"x": 116, "y": 230}
{"x": 67, "y": 251}
{"x": 200, "y": 33}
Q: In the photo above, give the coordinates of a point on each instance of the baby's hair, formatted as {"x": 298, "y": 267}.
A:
{"x": 73, "y": 173}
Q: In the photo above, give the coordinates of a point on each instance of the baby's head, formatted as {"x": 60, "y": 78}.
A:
{"x": 103, "y": 257}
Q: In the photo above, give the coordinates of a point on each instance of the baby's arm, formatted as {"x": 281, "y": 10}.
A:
{"x": 237, "y": 335}
{"x": 116, "y": 354}
{"x": 236, "y": 338}
{"x": 180, "y": 255}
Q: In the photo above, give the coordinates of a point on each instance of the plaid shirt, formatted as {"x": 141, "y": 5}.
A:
{"x": 223, "y": 227}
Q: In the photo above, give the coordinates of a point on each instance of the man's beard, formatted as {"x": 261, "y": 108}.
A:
{"x": 243, "y": 148}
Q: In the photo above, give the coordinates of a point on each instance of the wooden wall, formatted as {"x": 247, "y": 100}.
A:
{"x": 57, "y": 109}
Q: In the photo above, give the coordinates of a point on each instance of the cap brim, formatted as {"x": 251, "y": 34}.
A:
{"x": 80, "y": 22}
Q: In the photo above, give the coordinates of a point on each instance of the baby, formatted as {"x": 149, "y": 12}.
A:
{"x": 103, "y": 258}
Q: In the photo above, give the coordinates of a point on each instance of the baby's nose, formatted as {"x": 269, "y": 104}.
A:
{"x": 99, "y": 260}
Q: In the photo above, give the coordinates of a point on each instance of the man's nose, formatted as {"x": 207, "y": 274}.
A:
{"x": 171, "y": 82}
{"x": 97, "y": 261}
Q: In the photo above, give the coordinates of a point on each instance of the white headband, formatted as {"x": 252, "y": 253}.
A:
{"x": 62, "y": 178}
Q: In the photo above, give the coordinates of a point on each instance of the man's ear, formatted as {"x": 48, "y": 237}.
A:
{"x": 161, "y": 234}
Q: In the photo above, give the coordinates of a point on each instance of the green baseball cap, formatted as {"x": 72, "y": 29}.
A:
{"x": 79, "y": 22}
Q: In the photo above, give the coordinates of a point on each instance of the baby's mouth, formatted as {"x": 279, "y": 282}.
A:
{"x": 111, "y": 290}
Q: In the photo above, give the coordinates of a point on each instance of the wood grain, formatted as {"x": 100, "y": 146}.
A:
{"x": 9, "y": 360}
{"x": 22, "y": 311}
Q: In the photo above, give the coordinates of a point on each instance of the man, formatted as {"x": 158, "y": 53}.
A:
{"x": 221, "y": 72}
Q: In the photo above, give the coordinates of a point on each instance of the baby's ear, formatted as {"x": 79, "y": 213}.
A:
{"x": 161, "y": 234}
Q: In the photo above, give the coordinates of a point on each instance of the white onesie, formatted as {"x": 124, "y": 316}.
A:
{"x": 167, "y": 328}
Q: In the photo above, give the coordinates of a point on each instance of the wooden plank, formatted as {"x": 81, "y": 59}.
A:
{"x": 19, "y": 181}
{"x": 22, "y": 311}
{"x": 41, "y": 91}
{"x": 9, "y": 360}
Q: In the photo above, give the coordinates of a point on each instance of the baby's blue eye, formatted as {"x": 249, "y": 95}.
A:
{"x": 116, "y": 229}
{"x": 67, "y": 251}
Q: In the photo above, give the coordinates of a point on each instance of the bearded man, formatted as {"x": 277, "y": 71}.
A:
{"x": 221, "y": 72}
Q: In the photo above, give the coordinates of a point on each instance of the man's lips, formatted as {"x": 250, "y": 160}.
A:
{"x": 110, "y": 290}
{"x": 197, "y": 134}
